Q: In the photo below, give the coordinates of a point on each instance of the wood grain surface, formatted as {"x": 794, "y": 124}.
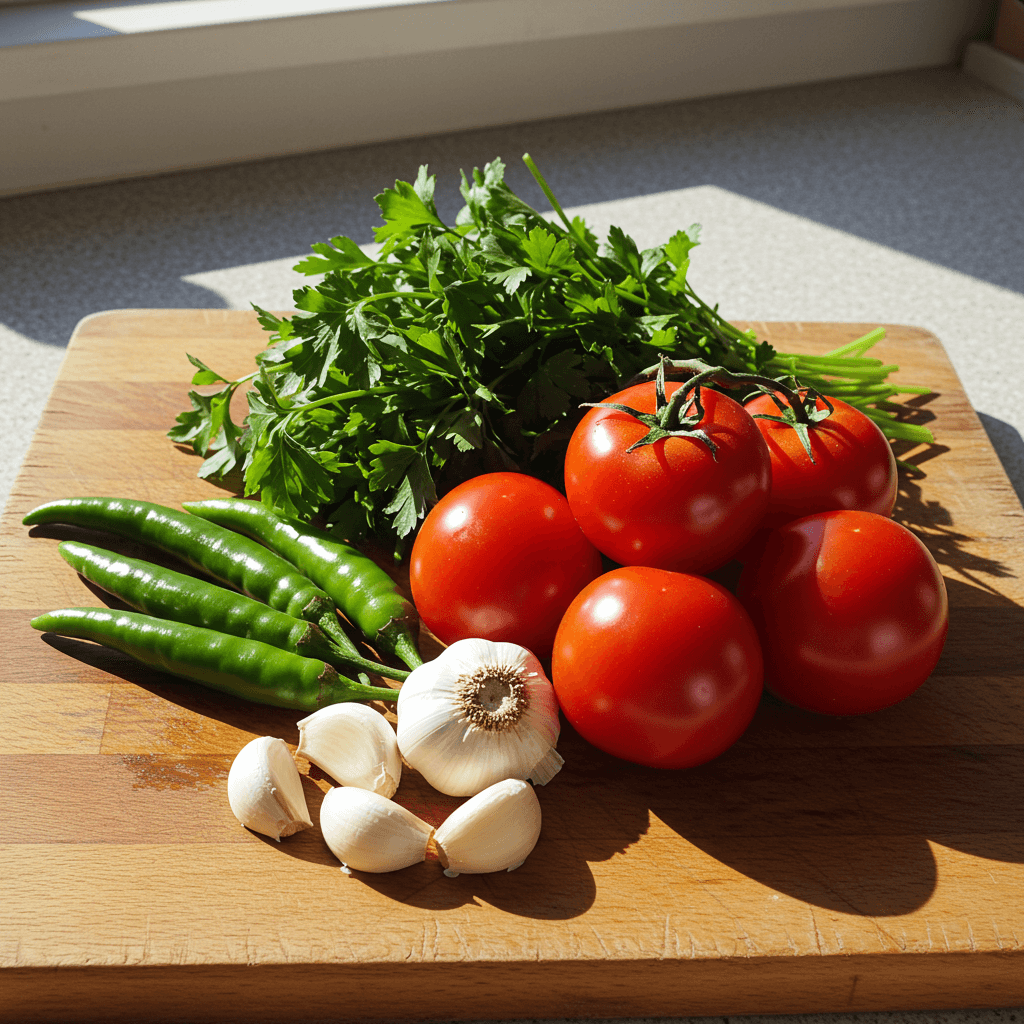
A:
{"x": 821, "y": 864}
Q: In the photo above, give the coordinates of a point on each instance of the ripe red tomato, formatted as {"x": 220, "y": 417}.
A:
{"x": 670, "y": 504}
{"x": 656, "y": 667}
{"x": 853, "y": 465}
{"x": 851, "y": 610}
{"x": 500, "y": 557}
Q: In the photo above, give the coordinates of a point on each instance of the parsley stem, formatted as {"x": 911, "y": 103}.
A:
{"x": 590, "y": 277}
{"x": 722, "y": 328}
{"x": 580, "y": 239}
{"x": 433, "y": 426}
{"x": 896, "y": 429}
{"x": 347, "y": 396}
{"x": 378, "y": 296}
{"x": 555, "y": 204}
{"x": 853, "y": 361}
{"x": 861, "y": 344}
{"x": 853, "y": 372}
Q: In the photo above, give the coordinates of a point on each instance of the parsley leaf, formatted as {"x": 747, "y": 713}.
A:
{"x": 461, "y": 349}
{"x": 407, "y": 207}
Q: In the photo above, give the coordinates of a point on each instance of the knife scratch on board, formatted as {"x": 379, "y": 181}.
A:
{"x": 600, "y": 941}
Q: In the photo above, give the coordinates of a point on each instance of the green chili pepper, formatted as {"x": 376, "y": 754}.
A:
{"x": 243, "y": 668}
{"x": 235, "y": 560}
{"x": 363, "y": 591}
{"x": 171, "y": 595}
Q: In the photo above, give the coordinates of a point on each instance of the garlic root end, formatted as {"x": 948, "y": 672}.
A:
{"x": 434, "y": 848}
{"x": 546, "y": 768}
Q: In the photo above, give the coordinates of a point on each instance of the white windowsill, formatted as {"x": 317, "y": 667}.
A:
{"x": 63, "y": 22}
{"x": 995, "y": 68}
{"x": 96, "y": 91}
{"x": 155, "y": 42}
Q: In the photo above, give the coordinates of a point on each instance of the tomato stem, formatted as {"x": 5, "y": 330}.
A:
{"x": 798, "y": 407}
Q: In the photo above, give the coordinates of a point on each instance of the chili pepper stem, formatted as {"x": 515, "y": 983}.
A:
{"x": 337, "y": 689}
{"x": 405, "y": 647}
{"x": 346, "y": 690}
{"x": 328, "y": 622}
{"x": 388, "y": 671}
{"x": 363, "y": 665}
{"x": 344, "y": 654}
{"x": 342, "y": 659}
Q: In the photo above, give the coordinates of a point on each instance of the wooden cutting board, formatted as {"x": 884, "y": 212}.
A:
{"x": 819, "y": 865}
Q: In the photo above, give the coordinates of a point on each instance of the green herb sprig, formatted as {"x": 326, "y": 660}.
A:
{"x": 467, "y": 348}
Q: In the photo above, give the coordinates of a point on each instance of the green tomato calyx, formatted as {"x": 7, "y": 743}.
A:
{"x": 668, "y": 419}
{"x": 798, "y": 407}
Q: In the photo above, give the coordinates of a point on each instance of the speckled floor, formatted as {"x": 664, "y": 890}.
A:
{"x": 890, "y": 199}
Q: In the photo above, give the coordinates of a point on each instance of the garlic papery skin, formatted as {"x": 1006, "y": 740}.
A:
{"x": 495, "y": 831}
{"x": 368, "y": 832}
{"x": 265, "y": 789}
{"x": 355, "y": 745}
{"x": 479, "y": 713}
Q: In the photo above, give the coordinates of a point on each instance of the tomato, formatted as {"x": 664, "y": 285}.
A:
{"x": 500, "y": 557}
{"x": 853, "y": 465}
{"x": 671, "y": 504}
{"x": 851, "y": 610}
{"x": 659, "y": 668}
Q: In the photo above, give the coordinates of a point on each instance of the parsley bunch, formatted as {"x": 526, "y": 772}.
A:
{"x": 468, "y": 348}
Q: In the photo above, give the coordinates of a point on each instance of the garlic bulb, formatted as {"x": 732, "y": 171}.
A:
{"x": 355, "y": 745}
{"x": 495, "y": 831}
{"x": 265, "y": 789}
{"x": 479, "y": 713}
{"x": 368, "y": 832}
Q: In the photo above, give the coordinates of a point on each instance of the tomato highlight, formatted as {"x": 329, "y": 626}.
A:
{"x": 677, "y": 503}
{"x": 850, "y": 464}
{"x": 659, "y": 668}
{"x": 851, "y": 610}
{"x": 500, "y": 557}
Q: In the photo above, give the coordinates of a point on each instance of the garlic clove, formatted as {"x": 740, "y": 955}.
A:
{"x": 494, "y": 831}
{"x": 368, "y": 832}
{"x": 265, "y": 789}
{"x": 355, "y": 745}
{"x": 479, "y": 713}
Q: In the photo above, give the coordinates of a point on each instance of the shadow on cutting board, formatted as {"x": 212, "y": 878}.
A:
{"x": 930, "y": 520}
{"x": 834, "y": 812}
{"x": 838, "y": 813}
{"x": 950, "y": 547}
